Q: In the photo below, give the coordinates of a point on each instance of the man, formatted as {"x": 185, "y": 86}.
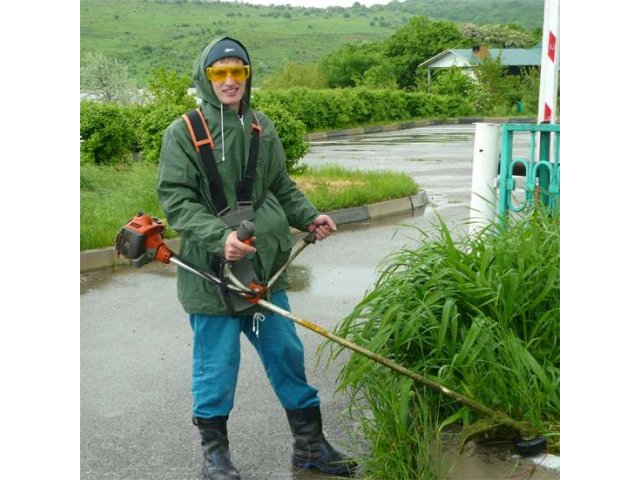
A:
{"x": 222, "y": 76}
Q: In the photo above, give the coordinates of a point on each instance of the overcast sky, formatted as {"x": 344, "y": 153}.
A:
{"x": 315, "y": 3}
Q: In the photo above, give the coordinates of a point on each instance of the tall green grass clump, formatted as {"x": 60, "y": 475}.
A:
{"x": 480, "y": 315}
{"x": 110, "y": 196}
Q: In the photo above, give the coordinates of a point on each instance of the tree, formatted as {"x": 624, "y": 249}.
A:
{"x": 378, "y": 76}
{"x": 168, "y": 87}
{"x": 168, "y": 99}
{"x": 108, "y": 78}
{"x": 416, "y": 41}
{"x": 454, "y": 81}
{"x": 495, "y": 85}
{"x": 345, "y": 67}
{"x": 500, "y": 36}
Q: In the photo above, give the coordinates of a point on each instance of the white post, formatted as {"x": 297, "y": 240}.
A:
{"x": 486, "y": 154}
{"x": 549, "y": 62}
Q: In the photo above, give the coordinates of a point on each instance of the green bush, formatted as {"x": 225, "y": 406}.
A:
{"x": 331, "y": 109}
{"x": 134, "y": 115}
{"x": 110, "y": 132}
{"x": 292, "y": 133}
{"x": 153, "y": 123}
{"x": 106, "y": 132}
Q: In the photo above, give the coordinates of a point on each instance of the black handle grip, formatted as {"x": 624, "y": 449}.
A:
{"x": 310, "y": 238}
{"x": 245, "y": 230}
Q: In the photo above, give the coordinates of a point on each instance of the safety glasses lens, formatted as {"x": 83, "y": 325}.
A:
{"x": 220, "y": 74}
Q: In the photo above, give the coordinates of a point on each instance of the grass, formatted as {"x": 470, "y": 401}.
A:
{"x": 111, "y": 195}
{"x": 480, "y": 315}
{"x": 332, "y": 187}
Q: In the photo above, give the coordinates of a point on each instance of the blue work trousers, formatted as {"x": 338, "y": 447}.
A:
{"x": 216, "y": 359}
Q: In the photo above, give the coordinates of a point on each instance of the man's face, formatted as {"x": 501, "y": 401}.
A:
{"x": 229, "y": 91}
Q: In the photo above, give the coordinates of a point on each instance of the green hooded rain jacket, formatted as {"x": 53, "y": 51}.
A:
{"x": 184, "y": 195}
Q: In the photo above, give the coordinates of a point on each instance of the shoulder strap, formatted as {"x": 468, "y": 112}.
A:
{"x": 203, "y": 144}
{"x": 244, "y": 188}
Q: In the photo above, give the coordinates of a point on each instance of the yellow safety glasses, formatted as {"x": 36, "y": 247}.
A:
{"x": 238, "y": 73}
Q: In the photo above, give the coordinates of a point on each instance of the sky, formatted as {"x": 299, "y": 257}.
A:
{"x": 314, "y": 3}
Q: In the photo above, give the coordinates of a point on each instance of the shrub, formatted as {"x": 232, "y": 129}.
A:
{"x": 134, "y": 115}
{"x": 107, "y": 133}
{"x": 330, "y": 109}
{"x": 292, "y": 133}
{"x": 152, "y": 126}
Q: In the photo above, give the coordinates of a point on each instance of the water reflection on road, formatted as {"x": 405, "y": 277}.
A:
{"x": 439, "y": 158}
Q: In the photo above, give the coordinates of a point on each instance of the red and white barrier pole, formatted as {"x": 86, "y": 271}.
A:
{"x": 550, "y": 61}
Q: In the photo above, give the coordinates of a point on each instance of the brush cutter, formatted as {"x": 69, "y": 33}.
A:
{"x": 141, "y": 241}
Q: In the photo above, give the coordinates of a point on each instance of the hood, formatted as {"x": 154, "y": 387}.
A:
{"x": 204, "y": 90}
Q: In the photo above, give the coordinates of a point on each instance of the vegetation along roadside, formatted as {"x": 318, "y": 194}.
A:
{"x": 110, "y": 195}
{"x": 479, "y": 315}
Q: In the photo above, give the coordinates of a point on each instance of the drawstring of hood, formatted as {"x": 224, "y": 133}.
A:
{"x": 222, "y": 128}
{"x": 240, "y": 118}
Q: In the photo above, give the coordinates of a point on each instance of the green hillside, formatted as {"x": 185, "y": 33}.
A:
{"x": 526, "y": 13}
{"x": 147, "y": 34}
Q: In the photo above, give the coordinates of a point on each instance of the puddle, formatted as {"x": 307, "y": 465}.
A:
{"x": 96, "y": 279}
{"x": 299, "y": 278}
{"x": 92, "y": 280}
{"x": 494, "y": 462}
{"x": 330, "y": 282}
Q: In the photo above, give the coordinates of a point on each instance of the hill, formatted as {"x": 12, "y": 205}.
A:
{"x": 148, "y": 33}
{"x": 526, "y": 13}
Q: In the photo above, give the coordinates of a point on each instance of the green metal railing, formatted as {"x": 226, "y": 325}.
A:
{"x": 542, "y": 171}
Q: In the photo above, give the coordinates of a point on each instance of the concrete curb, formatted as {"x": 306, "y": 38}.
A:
{"x": 546, "y": 461}
{"x": 107, "y": 257}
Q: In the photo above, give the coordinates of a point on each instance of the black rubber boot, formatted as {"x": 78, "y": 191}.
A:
{"x": 215, "y": 449}
{"x": 311, "y": 449}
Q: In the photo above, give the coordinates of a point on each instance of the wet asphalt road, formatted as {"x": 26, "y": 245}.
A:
{"x": 136, "y": 341}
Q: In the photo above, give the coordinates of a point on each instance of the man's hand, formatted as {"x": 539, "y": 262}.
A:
{"x": 322, "y": 226}
{"x": 234, "y": 249}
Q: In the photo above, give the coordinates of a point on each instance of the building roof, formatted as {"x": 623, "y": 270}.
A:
{"x": 508, "y": 57}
